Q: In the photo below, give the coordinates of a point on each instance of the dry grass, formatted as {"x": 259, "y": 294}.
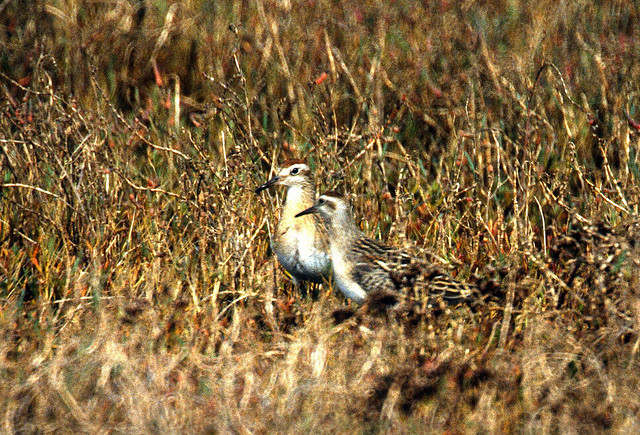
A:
{"x": 137, "y": 292}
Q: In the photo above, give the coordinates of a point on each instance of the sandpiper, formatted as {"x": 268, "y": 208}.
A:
{"x": 301, "y": 245}
{"x": 362, "y": 266}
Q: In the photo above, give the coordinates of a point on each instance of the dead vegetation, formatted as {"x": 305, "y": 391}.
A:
{"x": 136, "y": 287}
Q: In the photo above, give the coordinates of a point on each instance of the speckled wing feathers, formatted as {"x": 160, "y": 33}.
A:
{"x": 384, "y": 268}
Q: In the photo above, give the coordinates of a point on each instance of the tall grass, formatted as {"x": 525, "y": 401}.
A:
{"x": 137, "y": 287}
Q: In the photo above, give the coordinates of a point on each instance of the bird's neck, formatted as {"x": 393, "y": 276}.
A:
{"x": 343, "y": 229}
{"x": 298, "y": 198}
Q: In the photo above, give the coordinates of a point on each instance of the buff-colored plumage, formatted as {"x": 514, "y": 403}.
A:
{"x": 301, "y": 245}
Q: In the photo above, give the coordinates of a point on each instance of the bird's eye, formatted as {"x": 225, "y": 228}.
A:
{"x": 294, "y": 171}
{"x": 321, "y": 201}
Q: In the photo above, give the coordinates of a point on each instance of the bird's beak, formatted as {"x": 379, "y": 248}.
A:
{"x": 268, "y": 184}
{"x": 310, "y": 210}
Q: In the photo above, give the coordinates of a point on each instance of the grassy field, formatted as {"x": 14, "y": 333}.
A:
{"x": 138, "y": 293}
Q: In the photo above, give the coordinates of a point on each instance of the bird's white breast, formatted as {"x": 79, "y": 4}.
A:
{"x": 298, "y": 252}
{"x": 342, "y": 277}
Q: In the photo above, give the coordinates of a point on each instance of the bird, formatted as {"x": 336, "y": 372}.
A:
{"x": 364, "y": 267}
{"x": 301, "y": 245}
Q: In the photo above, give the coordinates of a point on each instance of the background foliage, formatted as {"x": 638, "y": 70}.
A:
{"x": 137, "y": 289}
